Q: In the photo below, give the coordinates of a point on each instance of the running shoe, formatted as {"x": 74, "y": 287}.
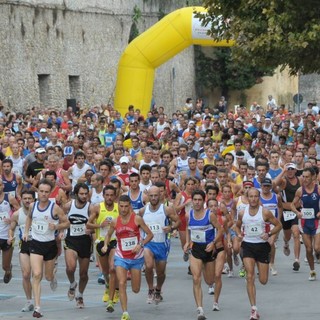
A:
{"x": 7, "y": 276}
{"x": 273, "y": 271}
{"x": 80, "y": 303}
{"x": 125, "y": 316}
{"x": 230, "y": 274}
{"x": 54, "y": 283}
{"x": 313, "y": 276}
{"x": 215, "y": 307}
{"x": 92, "y": 258}
{"x": 236, "y": 259}
{"x": 201, "y": 315}
{"x": 150, "y": 296}
{"x": 242, "y": 272}
{"x": 105, "y": 297}
{"x": 301, "y": 239}
{"x": 101, "y": 279}
{"x": 189, "y": 271}
{"x": 72, "y": 292}
{"x": 254, "y": 314}
{"x": 28, "y": 307}
{"x": 186, "y": 256}
{"x": 211, "y": 290}
{"x": 110, "y": 306}
{"x": 296, "y": 266}
{"x": 225, "y": 269}
{"x": 37, "y": 313}
{"x": 317, "y": 258}
{"x": 116, "y": 296}
{"x": 286, "y": 249}
{"x": 157, "y": 297}
{"x": 306, "y": 260}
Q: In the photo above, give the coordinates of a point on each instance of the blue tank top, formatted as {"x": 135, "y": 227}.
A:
{"x": 256, "y": 184}
{"x": 310, "y": 200}
{"x": 274, "y": 173}
{"x": 136, "y": 204}
{"x": 10, "y": 186}
{"x": 201, "y": 230}
{"x": 271, "y": 204}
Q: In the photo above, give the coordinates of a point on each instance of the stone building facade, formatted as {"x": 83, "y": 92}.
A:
{"x": 53, "y": 50}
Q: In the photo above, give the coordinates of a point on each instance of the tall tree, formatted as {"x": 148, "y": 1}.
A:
{"x": 221, "y": 71}
{"x": 269, "y": 32}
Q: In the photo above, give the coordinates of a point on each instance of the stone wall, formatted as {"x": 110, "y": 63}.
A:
{"x": 55, "y": 49}
{"x": 309, "y": 88}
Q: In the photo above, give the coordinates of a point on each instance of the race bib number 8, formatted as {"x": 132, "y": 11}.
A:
{"x": 307, "y": 213}
{"x": 40, "y": 227}
{"x": 155, "y": 228}
{"x": 198, "y": 236}
{"x": 254, "y": 230}
{"x": 77, "y": 230}
{"x": 128, "y": 244}
{"x": 288, "y": 215}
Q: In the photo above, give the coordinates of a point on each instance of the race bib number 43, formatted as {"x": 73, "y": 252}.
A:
{"x": 128, "y": 244}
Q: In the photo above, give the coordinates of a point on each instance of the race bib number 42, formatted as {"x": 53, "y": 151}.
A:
{"x": 254, "y": 230}
{"x": 128, "y": 244}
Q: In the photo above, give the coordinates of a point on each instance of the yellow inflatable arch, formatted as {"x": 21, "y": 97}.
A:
{"x": 155, "y": 46}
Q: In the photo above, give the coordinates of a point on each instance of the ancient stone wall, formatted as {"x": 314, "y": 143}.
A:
{"x": 52, "y": 50}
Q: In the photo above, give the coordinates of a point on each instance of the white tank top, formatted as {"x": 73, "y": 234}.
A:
{"x": 17, "y": 165}
{"x": 240, "y": 206}
{"x": 40, "y": 223}
{"x": 77, "y": 173}
{"x": 253, "y": 226}
{"x": 156, "y": 220}
{"x": 4, "y": 214}
{"x": 78, "y": 218}
{"x": 22, "y": 217}
{"x": 96, "y": 197}
{"x": 182, "y": 164}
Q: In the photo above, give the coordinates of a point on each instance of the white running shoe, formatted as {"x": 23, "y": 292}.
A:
{"x": 211, "y": 290}
{"x": 28, "y": 307}
{"x": 215, "y": 307}
{"x": 313, "y": 276}
{"x": 230, "y": 274}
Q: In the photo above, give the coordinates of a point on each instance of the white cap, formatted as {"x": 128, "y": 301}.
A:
{"x": 43, "y": 130}
{"x": 124, "y": 159}
{"x": 40, "y": 150}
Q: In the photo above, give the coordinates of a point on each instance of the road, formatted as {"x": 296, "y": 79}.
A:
{"x": 288, "y": 295}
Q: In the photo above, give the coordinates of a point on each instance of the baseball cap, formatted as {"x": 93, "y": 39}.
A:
{"x": 40, "y": 150}
{"x": 198, "y": 115}
{"x": 247, "y": 183}
{"x": 43, "y": 130}
{"x": 69, "y": 122}
{"x": 291, "y": 166}
{"x": 67, "y": 151}
{"x": 266, "y": 181}
{"x": 124, "y": 159}
{"x": 230, "y": 142}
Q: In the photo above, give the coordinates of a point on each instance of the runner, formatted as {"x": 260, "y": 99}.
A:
{"x": 78, "y": 242}
{"x": 129, "y": 251}
{"x": 19, "y": 219}
{"x": 255, "y": 245}
{"x": 46, "y": 218}
{"x": 203, "y": 236}
{"x": 308, "y": 197}
{"x": 161, "y": 220}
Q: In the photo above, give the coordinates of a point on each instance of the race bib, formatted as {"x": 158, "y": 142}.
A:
{"x": 288, "y": 215}
{"x": 155, "y": 228}
{"x": 254, "y": 230}
{"x": 40, "y": 227}
{"x": 198, "y": 236}
{"x": 128, "y": 244}
{"x": 77, "y": 230}
{"x": 307, "y": 213}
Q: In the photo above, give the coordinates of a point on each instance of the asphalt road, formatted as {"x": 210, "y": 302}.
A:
{"x": 289, "y": 295}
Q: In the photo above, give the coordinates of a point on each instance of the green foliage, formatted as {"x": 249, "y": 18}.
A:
{"x": 221, "y": 71}
{"x": 269, "y": 32}
{"x": 134, "y": 31}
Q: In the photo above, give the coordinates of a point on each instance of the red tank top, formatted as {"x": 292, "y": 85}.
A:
{"x": 128, "y": 236}
{"x": 186, "y": 197}
{"x": 168, "y": 188}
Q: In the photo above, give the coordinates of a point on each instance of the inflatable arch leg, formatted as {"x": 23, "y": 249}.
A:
{"x": 155, "y": 46}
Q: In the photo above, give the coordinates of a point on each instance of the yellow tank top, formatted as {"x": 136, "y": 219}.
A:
{"x": 103, "y": 215}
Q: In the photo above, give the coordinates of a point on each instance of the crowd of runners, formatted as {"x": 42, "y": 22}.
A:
{"x": 115, "y": 189}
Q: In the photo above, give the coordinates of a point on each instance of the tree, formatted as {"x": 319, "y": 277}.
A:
{"x": 222, "y": 71}
{"x": 269, "y": 32}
